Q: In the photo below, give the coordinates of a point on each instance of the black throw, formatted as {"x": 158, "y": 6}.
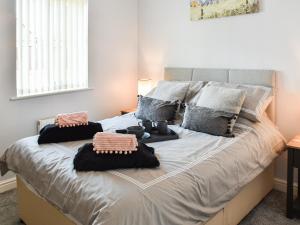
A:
{"x": 88, "y": 160}
{"x": 53, "y": 134}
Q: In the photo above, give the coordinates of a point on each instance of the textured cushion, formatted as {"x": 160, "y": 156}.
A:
{"x": 171, "y": 90}
{"x": 53, "y": 134}
{"x": 88, "y": 160}
{"x": 209, "y": 121}
{"x": 155, "y": 109}
{"x": 256, "y": 102}
{"x": 222, "y": 99}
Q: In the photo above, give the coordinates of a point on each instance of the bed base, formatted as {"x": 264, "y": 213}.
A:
{"x": 251, "y": 195}
{"x": 34, "y": 210}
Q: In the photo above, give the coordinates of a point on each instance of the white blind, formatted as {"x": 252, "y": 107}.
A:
{"x": 52, "y": 46}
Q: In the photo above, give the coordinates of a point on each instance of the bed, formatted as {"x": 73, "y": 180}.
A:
{"x": 203, "y": 179}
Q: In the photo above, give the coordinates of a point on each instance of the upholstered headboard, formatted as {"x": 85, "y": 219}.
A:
{"x": 253, "y": 77}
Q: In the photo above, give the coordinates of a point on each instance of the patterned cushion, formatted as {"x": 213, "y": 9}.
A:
{"x": 210, "y": 121}
{"x": 155, "y": 109}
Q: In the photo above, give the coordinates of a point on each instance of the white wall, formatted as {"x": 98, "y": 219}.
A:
{"x": 112, "y": 70}
{"x": 267, "y": 40}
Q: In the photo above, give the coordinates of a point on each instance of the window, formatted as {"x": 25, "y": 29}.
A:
{"x": 52, "y": 46}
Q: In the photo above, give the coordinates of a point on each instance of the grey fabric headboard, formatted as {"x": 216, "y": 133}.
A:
{"x": 266, "y": 78}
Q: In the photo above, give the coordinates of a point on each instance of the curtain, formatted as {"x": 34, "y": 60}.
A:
{"x": 52, "y": 46}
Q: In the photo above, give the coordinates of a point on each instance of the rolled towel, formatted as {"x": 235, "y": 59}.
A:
{"x": 110, "y": 143}
{"x": 71, "y": 119}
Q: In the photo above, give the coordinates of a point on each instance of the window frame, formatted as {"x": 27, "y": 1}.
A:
{"x": 85, "y": 87}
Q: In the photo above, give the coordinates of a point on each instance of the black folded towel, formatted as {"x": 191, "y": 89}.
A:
{"x": 88, "y": 160}
{"x": 53, "y": 134}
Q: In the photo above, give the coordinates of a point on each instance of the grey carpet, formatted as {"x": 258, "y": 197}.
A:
{"x": 271, "y": 211}
{"x": 8, "y": 211}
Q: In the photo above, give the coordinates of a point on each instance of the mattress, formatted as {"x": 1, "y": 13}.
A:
{"x": 199, "y": 174}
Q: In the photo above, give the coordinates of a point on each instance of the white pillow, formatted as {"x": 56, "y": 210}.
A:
{"x": 258, "y": 98}
{"x": 170, "y": 90}
{"x": 193, "y": 90}
{"x": 229, "y": 100}
{"x": 150, "y": 93}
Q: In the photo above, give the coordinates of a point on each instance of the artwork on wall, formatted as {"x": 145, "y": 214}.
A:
{"x": 207, "y": 9}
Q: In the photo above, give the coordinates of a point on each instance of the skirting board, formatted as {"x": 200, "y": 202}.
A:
{"x": 7, "y": 185}
{"x": 281, "y": 185}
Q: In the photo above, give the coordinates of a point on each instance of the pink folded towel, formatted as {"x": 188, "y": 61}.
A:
{"x": 109, "y": 143}
{"x": 71, "y": 119}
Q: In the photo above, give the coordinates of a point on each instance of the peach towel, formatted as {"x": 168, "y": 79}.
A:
{"x": 106, "y": 143}
{"x": 71, "y": 119}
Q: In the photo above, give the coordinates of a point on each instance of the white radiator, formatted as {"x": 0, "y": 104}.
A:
{"x": 43, "y": 122}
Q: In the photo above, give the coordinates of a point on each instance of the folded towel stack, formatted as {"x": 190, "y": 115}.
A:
{"x": 53, "y": 134}
{"x": 71, "y": 119}
{"x": 109, "y": 143}
{"x": 88, "y": 160}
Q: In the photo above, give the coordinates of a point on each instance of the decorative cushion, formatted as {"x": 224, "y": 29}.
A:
{"x": 171, "y": 90}
{"x": 222, "y": 99}
{"x": 53, "y": 134}
{"x": 210, "y": 121}
{"x": 258, "y": 98}
{"x": 155, "y": 109}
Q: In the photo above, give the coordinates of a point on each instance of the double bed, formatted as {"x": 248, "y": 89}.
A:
{"x": 203, "y": 179}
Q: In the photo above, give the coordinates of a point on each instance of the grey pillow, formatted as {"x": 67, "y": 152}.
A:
{"x": 155, "y": 109}
{"x": 194, "y": 88}
{"x": 210, "y": 121}
{"x": 222, "y": 99}
{"x": 258, "y": 98}
{"x": 171, "y": 90}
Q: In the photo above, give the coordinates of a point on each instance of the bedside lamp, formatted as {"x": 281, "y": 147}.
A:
{"x": 144, "y": 86}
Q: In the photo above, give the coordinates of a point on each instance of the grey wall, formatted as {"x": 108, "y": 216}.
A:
{"x": 112, "y": 71}
{"x": 266, "y": 40}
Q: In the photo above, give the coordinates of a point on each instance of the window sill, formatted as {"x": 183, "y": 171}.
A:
{"x": 49, "y": 94}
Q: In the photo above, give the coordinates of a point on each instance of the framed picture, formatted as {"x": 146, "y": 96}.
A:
{"x": 208, "y": 9}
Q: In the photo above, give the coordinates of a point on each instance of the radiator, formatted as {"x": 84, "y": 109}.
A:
{"x": 43, "y": 122}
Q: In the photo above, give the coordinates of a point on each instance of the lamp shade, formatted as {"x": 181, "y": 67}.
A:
{"x": 144, "y": 86}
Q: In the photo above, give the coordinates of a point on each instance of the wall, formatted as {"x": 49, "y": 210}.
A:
{"x": 112, "y": 71}
{"x": 267, "y": 40}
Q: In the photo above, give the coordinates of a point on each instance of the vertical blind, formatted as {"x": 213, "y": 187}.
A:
{"x": 52, "y": 46}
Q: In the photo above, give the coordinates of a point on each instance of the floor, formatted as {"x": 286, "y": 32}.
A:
{"x": 271, "y": 211}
